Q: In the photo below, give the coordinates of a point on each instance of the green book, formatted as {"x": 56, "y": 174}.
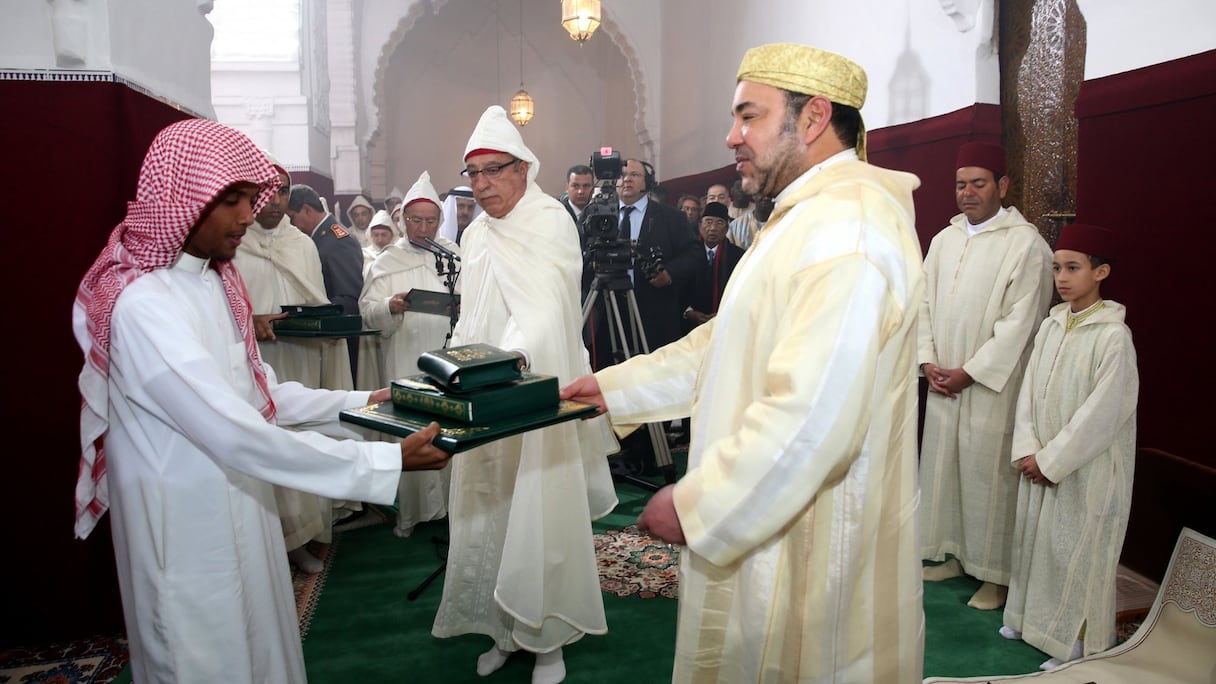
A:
{"x": 470, "y": 366}
{"x": 342, "y": 323}
{"x": 530, "y": 393}
{"x": 455, "y": 436}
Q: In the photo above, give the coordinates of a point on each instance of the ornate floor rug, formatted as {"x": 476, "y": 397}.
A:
{"x": 632, "y": 563}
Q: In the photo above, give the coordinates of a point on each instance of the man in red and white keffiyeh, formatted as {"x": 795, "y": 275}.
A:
{"x": 180, "y": 423}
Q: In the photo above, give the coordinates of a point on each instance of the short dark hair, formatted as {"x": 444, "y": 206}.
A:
{"x": 846, "y": 120}
{"x": 579, "y": 170}
{"x": 302, "y": 195}
{"x": 688, "y": 197}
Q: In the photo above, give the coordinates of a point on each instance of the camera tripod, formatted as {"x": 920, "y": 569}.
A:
{"x": 612, "y": 283}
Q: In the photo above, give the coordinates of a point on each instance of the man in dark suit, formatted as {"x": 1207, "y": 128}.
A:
{"x": 580, "y": 183}
{"x": 341, "y": 255}
{"x": 659, "y": 233}
{"x": 721, "y": 257}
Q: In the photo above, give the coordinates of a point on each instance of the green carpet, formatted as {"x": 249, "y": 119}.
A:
{"x": 364, "y": 628}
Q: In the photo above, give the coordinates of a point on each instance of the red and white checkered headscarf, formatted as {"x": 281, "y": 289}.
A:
{"x": 187, "y": 166}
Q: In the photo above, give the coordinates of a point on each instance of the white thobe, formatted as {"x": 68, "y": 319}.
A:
{"x": 799, "y": 502}
{"x": 403, "y": 338}
{"x": 1077, "y": 414}
{"x": 521, "y": 564}
{"x": 280, "y": 267}
{"x": 206, "y": 589}
{"x": 985, "y": 295}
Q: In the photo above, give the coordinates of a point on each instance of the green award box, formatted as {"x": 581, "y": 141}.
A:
{"x": 470, "y": 366}
{"x": 455, "y": 436}
{"x": 530, "y": 393}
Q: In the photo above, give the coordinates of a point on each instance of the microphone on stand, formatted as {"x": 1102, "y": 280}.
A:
{"x": 444, "y": 250}
{"x": 439, "y": 270}
{"x": 425, "y": 248}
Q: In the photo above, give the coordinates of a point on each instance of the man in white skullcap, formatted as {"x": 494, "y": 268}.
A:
{"x": 280, "y": 266}
{"x": 360, "y": 216}
{"x": 798, "y": 509}
{"x": 521, "y": 564}
{"x": 405, "y": 334}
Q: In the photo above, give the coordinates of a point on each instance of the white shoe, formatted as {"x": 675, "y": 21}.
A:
{"x": 1050, "y": 664}
{"x": 1009, "y": 633}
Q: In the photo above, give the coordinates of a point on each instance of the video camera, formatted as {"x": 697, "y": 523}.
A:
{"x": 604, "y": 248}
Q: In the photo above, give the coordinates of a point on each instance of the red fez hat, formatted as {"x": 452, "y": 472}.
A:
{"x": 416, "y": 200}
{"x": 483, "y": 150}
{"x": 983, "y": 155}
{"x": 1089, "y": 240}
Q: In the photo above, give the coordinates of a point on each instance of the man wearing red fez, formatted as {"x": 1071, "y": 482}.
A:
{"x": 987, "y": 287}
{"x": 521, "y": 561}
{"x": 1074, "y": 444}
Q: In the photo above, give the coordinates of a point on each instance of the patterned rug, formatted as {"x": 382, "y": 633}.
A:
{"x": 632, "y": 563}
{"x": 89, "y": 661}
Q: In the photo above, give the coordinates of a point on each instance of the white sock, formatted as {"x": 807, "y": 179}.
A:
{"x": 305, "y": 560}
{"x": 1009, "y": 632}
{"x": 1052, "y": 663}
{"x": 489, "y": 662}
{"x": 550, "y": 668}
{"x": 403, "y": 532}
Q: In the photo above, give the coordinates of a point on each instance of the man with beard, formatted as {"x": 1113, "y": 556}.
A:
{"x": 459, "y": 210}
{"x": 798, "y": 506}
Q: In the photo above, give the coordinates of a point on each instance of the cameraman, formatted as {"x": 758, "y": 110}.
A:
{"x": 663, "y": 243}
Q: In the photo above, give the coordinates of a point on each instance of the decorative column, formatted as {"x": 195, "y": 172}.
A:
{"x": 343, "y": 99}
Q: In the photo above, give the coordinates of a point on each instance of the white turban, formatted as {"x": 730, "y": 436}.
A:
{"x": 496, "y": 133}
{"x": 421, "y": 190}
{"x": 382, "y": 218}
{"x": 359, "y": 201}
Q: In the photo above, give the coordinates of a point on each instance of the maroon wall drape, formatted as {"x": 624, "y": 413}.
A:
{"x": 1145, "y": 150}
{"x": 72, "y": 153}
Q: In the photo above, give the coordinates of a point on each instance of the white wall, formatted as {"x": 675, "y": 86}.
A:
{"x": 157, "y": 45}
{"x": 1123, "y": 35}
{"x": 896, "y": 43}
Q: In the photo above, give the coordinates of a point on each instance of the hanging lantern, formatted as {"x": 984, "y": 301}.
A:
{"x": 522, "y": 107}
{"x": 580, "y": 18}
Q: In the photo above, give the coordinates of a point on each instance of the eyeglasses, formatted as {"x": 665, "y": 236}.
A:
{"x": 418, "y": 220}
{"x": 491, "y": 172}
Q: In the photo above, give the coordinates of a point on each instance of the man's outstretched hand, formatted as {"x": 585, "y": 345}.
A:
{"x": 417, "y": 452}
{"x": 587, "y": 390}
